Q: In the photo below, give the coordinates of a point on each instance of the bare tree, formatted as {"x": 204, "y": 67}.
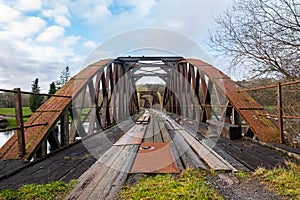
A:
{"x": 263, "y": 35}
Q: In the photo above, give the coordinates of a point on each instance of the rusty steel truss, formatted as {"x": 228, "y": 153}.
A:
{"x": 105, "y": 93}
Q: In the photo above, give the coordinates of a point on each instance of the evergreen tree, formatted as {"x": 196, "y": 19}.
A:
{"x": 52, "y": 89}
{"x": 64, "y": 78}
{"x": 35, "y": 100}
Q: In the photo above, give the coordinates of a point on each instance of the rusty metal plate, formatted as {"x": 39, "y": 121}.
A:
{"x": 134, "y": 136}
{"x": 155, "y": 158}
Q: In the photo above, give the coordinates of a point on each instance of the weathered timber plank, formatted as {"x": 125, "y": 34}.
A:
{"x": 115, "y": 177}
{"x": 165, "y": 134}
{"x": 186, "y": 153}
{"x": 213, "y": 160}
{"x": 156, "y": 130}
{"x": 133, "y": 136}
{"x": 120, "y": 180}
{"x": 91, "y": 177}
{"x": 176, "y": 156}
{"x": 149, "y": 132}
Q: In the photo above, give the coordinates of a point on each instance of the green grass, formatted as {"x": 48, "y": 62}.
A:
{"x": 188, "y": 185}
{"x": 284, "y": 181}
{"x": 50, "y": 191}
{"x": 242, "y": 175}
{"x": 11, "y": 111}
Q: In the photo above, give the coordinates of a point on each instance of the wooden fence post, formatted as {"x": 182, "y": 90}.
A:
{"x": 279, "y": 113}
{"x": 19, "y": 121}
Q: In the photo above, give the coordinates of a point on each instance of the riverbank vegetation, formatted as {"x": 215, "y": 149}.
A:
{"x": 285, "y": 181}
{"x": 9, "y": 113}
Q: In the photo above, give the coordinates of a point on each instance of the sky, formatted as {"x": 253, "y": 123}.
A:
{"x": 39, "y": 38}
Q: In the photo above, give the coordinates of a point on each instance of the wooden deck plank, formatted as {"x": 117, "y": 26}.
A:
{"x": 149, "y": 132}
{"x": 134, "y": 136}
{"x": 186, "y": 153}
{"x": 176, "y": 156}
{"x": 106, "y": 177}
{"x": 213, "y": 160}
{"x": 115, "y": 177}
{"x": 156, "y": 130}
{"x": 94, "y": 174}
{"x": 165, "y": 134}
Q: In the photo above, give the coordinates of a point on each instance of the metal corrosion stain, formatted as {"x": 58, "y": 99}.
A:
{"x": 155, "y": 158}
{"x": 133, "y": 136}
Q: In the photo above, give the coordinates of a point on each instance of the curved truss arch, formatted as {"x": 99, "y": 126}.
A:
{"x": 105, "y": 92}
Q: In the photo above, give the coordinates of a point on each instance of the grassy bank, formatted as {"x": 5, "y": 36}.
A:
{"x": 10, "y": 112}
{"x": 188, "y": 185}
{"x": 50, "y": 191}
{"x": 285, "y": 181}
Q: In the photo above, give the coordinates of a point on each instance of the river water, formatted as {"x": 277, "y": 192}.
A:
{"x": 4, "y": 137}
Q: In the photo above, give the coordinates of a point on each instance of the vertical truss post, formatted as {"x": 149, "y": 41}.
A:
{"x": 19, "y": 121}
{"x": 112, "y": 86}
{"x": 172, "y": 94}
{"x": 190, "y": 91}
{"x": 93, "y": 108}
{"x": 107, "y": 108}
{"x": 227, "y": 113}
{"x": 105, "y": 101}
{"x": 206, "y": 115}
{"x": 97, "y": 116}
{"x": 117, "y": 92}
{"x": 121, "y": 93}
{"x": 126, "y": 91}
{"x": 166, "y": 96}
{"x": 182, "y": 72}
{"x": 197, "y": 89}
{"x": 64, "y": 129}
{"x": 222, "y": 102}
{"x": 139, "y": 98}
{"x": 192, "y": 81}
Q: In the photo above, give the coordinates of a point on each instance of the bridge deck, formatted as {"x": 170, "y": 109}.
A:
{"x": 103, "y": 177}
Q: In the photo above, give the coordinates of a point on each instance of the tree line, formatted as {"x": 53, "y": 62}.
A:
{"x": 34, "y": 101}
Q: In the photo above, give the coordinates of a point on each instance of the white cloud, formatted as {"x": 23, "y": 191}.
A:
{"x": 62, "y": 20}
{"x": 91, "y": 11}
{"x": 51, "y": 33}
{"x": 7, "y": 14}
{"x": 174, "y": 24}
{"x": 58, "y": 17}
{"x": 25, "y": 27}
{"x": 71, "y": 40}
{"x": 142, "y": 8}
{"x": 29, "y": 5}
{"x": 90, "y": 44}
